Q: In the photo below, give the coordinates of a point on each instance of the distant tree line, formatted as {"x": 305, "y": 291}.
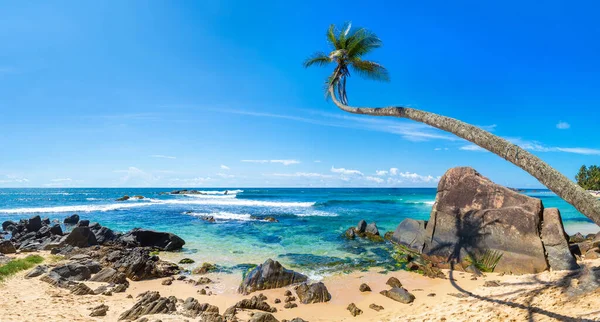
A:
{"x": 589, "y": 178}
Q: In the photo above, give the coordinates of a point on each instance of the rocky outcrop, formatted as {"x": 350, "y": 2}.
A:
{"x": 472, "y": 216}
{"x": 70, "y": 272}
{"x": 110, "y": 275}
{"x": 124, "y": 198}
{"x": 263, "y": 317}
{"x": 207, "y": 312}
{"x": 71, "y": 220}
{"x": 6, "y": 247}
{"x": 32, "y": 234}
{"x": 254, "y": 303}
{"x": 553, "y": 236}
{"x": 393, "y": 282}
{"x": 81, "y": 289}
{"x": 270, "y": 274}
{"x": 313, "y": 293}
{"x": 104, "y": 235}
{"x": 364, "y": 288}
{"x": 99, "y": 310}
{"x": 399, "y": 294}
{"x": 150, "y": 303}
{"x": 410, "y": 233}
{"x": 80, "y": 237}
{"x": 137, "y": 264}
{"x": 149, "y": 238}
{"x": 37, "y": 271}
{"x": 364, "y": 230}
{"x": 354, "y": 310}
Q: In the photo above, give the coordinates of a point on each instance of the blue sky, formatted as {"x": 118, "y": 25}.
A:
{"x": 213, "y": 93}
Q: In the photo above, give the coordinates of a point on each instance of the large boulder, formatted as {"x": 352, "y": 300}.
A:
{"x": 137, "y": 264}
{"x": 72, "y": 220}
{"x": 399, "y": 294}
{"x": 6, "y": 247}
{"x": 148, "y": 238}
{"x": 472, "y": 215}
{"x": 81, "y": 237}
{"x": 313, "y": 293}
{"x": 410, "y": 233}
{"x": 34, "y": 223}
{"x": 555, "y": 242}
{"x": 104, "y": 235}
{"x": 150, "y": 303}
{"x": 270, "y": 274}
{"x": 7, "y": 224}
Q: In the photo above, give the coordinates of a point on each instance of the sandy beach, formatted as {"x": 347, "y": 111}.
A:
{"x": 541, "y": 297}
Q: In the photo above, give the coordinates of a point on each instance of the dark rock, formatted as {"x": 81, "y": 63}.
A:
{"x": 270, "y": 219}
{"x": 46, "y": 221}
{"x": 361, "y": 227}
{"x": 208, "y": 218}
{"x": 399, "y": 294}
{"x": 137, "y": 264}
{"x": 124, "y": 198}
{"x": 202, "y": 291}
{"x": 7, "y": 224}
{"x": 120, "y": 288}
{"x": 204, "y": 268}
{"x": 43, "y": 232}
{"x": 203, "y": 281}
{"x": 150, "y": 303}
{"x": 410, "y": 233}
{"x": 255, "y": 303}
{"x": 109, "y": 275}
{"x": 186, "y": 261}
{"x": 72, "y": 220}
{"x": 138, "y": 197}
{"x": 56, "y": 230}
{"x": 167, "y": 282}
{"x": 99, "y": 310}
{"x": 149, "y": 238}
{"x": 364, "y": 288}
{"x": 73, "y": 271}
{"x": 354, "y": 310}
{"x": 288, "y": 293}
{"x": 81, "y": 289}
{"x": 431, "y": 294}
{"x": 313, "y": 293}
{"x": 6, "y": 247}
{"x": 289, "y": 299}
{"x": 290, "y": 305}
{"x": 372, "y": 229}
{"x": 207, "y": 312}
{"x": 37, "y": 271}
{"x": 104, "y": 235}
{"x": 580, "y": 248}
{"x": 34, "y": 223}
{"x": 350, "y": 233}
{"x": 270, "y": 274}
{"x": 393, "y": 282}
{"x": 553, "y": 236}
{"x": 277, "y": 301}
{"x": 376, "y": 307}
{"x": 80, "y": 237}
{"x": 83, "y": 223}
{"x": 472, "y": 215}
{"x": 262, "y": 317}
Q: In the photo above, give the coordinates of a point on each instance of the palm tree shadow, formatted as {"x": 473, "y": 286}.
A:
{"x": 471, "y": 232}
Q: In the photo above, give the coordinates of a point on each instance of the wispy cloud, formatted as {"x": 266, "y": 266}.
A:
{"x": 302, "y": 175}
{"x": 346, "y": 171}
{"x": 317, "y": 161}
{"x": 224, "y": 167}
{"x": 472, "y": 147}
{"x": 284, "y": 162}
{"x": 374, "y": 179}
{"x": 440, "y": 149}
{"x": 9, "y": 178}
{"x": 61, "y": 180}
{"x": 161, "y": 156}
{"x": 225, "y": 175}
{"x": 381, "y": 172}
{"x": 537, "y": 147}
{"x": 563, "y": 125}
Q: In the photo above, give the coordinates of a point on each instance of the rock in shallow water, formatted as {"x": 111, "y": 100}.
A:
{"x": 270, "y": 274}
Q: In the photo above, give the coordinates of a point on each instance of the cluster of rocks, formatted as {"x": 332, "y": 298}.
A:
{"x": 126, "y": 197}
{"x": 396, "y": 293}
{"x": 364, "y": 230}
{"x": 585, "y": 246}
{"x": 473, "y": 216}
{"x": 35, "y": 234}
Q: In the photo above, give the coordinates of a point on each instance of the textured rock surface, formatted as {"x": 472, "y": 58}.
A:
{"x": 472, "y": 215}
{"x": 399, "y": 294}
{"x": 150, "y": 303}
{"x": 137, "y": 264}
{"x": 313, "y": 293}
{"x": 270, "y": 274}
{"x": 410, "y": 233}
{"x": 393, "y": 282}
{"x": 6, "y": 247}
{"x": 553, "y": 236}
{"x": 149, "y": 238}
{"x": 263, "y": 317}
{"x": 81, "y": 237}
{"x": 354, "y": 310}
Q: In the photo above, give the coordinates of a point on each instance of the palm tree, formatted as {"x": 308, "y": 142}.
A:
{"x": 348, "y": 48}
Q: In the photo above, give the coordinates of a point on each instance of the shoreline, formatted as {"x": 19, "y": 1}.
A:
{"x": 45, "y": 302}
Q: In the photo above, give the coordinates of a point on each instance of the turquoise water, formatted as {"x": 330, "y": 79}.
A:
{"x": 308, "y": 234}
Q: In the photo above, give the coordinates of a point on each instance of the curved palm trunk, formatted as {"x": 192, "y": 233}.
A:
{"x": 548, "y": 176}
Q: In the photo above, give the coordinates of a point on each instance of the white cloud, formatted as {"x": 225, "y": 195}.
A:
{"x": 346, "y": 171}
{"x": 225, "y": 175}
{"x": 9, "y": 178}
{"x": 284, "y": 162}
{"x": 381, "y": 172}
{"x": 393, "y": 171}
{"x": 374, "y": 179}
{"x": 61, "y": 180}
{"x": 317, "y": 161}
{"x": 440, "y": 149}
{"x": 538, "y": 147}
{"x": 472, "y": 147}
{"x": 563, "y": 125}
{"x": 160, "y": 156}
{"x": 224, "y": 167}
{"x": 489, "y": 128}
{"x": 302, "y": 175}
{"x": 190, "y": 182}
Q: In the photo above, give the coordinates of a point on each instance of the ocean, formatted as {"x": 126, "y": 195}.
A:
{"x": 309, "y": 234}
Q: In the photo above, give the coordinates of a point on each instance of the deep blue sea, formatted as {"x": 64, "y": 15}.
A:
{"x": 308, "y": 234}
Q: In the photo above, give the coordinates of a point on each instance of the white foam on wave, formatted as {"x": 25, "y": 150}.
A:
{"x": 83, "y": 208}
{"x": 234, "y": 202}
{"x": 211, "y": 196}
{"x": 223, "y": 215}
{"x": 317, "y": 214}
{"x": 221, "y": 192}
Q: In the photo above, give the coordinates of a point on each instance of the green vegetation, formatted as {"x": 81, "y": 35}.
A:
{"x": 348, "y": 47}
{"x": 589, "y": 178}
{"x": 486, "y": 263}
{"x": 18, "y": 265}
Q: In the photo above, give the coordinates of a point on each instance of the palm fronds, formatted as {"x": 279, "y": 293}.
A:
{"x": 488, "y": 261}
